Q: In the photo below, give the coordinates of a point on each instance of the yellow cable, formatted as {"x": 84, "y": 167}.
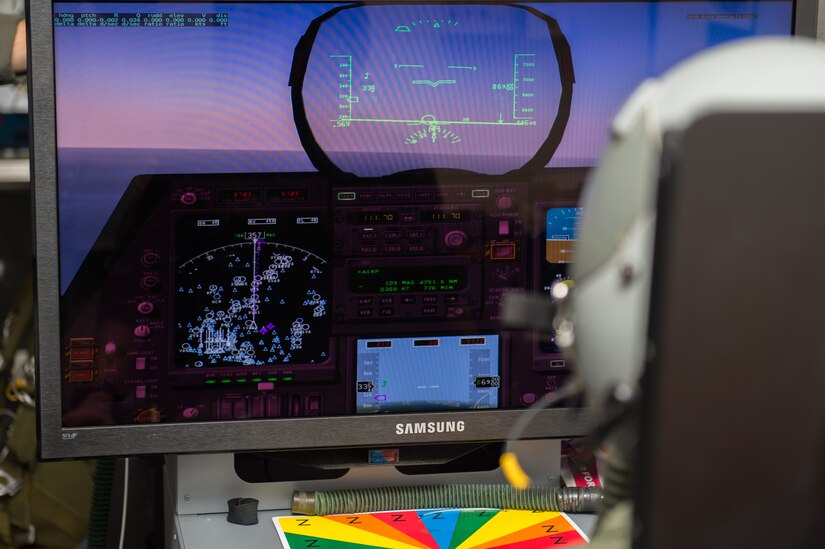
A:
{"x": 513, "y": 472}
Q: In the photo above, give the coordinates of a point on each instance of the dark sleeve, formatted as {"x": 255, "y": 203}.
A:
{"x": 8, "y": 27}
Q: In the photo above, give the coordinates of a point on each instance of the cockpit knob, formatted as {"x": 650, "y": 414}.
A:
{"x": 455, "y": 239}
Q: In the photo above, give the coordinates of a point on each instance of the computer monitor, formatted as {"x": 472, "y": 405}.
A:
{"x": 284, "y": 226}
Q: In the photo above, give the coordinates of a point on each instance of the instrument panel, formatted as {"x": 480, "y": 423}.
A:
{"x": 215, "y": 297}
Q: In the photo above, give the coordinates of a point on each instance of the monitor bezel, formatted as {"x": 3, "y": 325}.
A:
{"x": 57, "y": 442}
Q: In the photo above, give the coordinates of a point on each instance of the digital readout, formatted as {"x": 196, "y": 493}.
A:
{"x": 373, "y": 218}
{"x": 280, "y": 196}
{"x": 239, "y": 196}
{"x": 487, "y": 381}
{"x": 446, "y": 216}
{"x": 394, "y": 280}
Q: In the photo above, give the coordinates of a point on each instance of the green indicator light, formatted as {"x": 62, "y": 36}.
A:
{"x": 272, "y": 379}
{"x": 242, "y": 380}
{"x": 256, "y": 380}
{"x": 287, "y": 378}
{"x": 480, "y": 193}
{"x": 346, "y": 196}
{"x": 210, "y": 381}
{"x": 226, "y": 381}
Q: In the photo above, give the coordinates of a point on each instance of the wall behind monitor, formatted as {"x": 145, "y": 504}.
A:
{"x": 820, "y": 25}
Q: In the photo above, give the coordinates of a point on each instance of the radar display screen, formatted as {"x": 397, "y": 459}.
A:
{"x": 398, "y": 87}
{"x": 255, "y": 293}
{"x": 417, "y": 374}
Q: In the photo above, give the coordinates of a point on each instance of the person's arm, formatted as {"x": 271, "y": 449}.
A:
{"x": 18, "y": 49}
{"x": 12, "y": 47}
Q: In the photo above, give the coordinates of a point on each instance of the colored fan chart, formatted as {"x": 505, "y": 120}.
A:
{"x": 431, "y": 529}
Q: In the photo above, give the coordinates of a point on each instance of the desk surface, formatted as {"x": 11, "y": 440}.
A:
{"x": 213, "y": 531}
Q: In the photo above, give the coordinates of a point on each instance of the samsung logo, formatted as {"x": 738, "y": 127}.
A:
{"x": 425, "y": 427}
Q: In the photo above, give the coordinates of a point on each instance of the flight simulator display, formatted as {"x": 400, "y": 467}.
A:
{"x": 443, "y": 86}
{"x": 297, "y": 210}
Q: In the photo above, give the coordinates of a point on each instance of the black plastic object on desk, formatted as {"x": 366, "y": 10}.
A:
{"x": 243, "y": 511}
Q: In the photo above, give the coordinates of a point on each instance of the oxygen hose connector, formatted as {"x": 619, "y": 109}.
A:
{"x": 303, "y": 503}
{"x": 472, "y": 496}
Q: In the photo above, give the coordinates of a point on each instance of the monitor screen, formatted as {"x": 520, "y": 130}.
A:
{"x": 396, "y": 374}
{"x": 281, "y": 225}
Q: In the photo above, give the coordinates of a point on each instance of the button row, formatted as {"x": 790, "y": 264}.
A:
{"x": 405, "y": 195}
{"x": 451, "y": 311}
{"x": 416, "y": 234}
{"x": 260, "y": 406}
{"x": 408, "y": 299}
{"x": 264, "y": 384}
{"x": 392, "y": 248}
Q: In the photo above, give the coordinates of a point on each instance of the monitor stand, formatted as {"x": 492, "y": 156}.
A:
{"x": 197, "y": 488}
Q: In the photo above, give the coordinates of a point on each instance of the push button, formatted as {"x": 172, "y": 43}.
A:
{"x": 502, "y": 251}
{"x": 149, "y": 282}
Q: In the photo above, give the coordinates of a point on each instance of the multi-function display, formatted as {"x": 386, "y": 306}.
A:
{"x": 250, "y": 290}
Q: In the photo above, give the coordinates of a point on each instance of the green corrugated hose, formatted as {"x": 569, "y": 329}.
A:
{"x": 502, "y": 496}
